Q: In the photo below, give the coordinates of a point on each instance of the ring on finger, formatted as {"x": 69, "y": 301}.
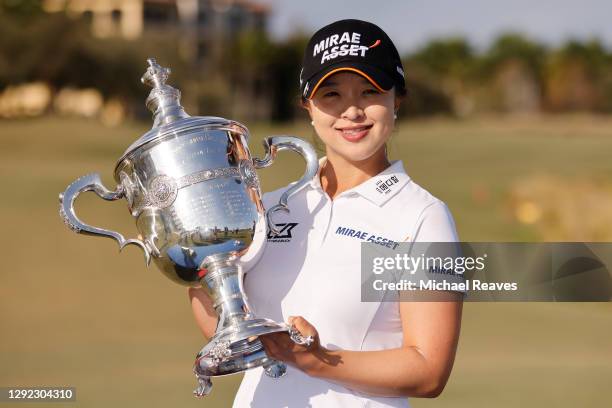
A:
{"x": 299, "y": 338}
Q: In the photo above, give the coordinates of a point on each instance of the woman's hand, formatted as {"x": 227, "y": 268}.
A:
{"x": 279, "y": 346}
{"x": 203, "y": 311}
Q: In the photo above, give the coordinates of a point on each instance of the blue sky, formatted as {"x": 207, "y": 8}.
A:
{"x": 410, "y": 23}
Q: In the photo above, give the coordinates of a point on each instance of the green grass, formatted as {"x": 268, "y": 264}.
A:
{"x": 76, "y": 312}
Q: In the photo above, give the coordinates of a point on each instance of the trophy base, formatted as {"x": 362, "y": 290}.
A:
{"x": 237, "y": 348}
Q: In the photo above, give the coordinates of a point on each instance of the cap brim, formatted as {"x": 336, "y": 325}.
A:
{"x": 375, "y": 76}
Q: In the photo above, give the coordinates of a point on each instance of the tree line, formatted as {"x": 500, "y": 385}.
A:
{"x": 515, "y": 74}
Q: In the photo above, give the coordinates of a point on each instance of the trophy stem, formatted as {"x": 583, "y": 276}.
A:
{"x": 223, "y": 280}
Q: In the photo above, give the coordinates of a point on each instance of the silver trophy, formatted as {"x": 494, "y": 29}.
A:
{"x": 191, "y": 185}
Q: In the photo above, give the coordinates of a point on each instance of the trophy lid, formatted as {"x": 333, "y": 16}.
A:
{"x": 164, "y": 101}
{"x": 168, "y": 114}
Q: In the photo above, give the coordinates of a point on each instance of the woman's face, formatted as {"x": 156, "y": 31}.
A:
{"x": 352, "y": 117}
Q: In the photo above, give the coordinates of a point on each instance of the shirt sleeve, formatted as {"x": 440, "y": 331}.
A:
{"x": 435, "y": 224}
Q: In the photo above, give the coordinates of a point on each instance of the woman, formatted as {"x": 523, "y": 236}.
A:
{"x": 365, "y": 353}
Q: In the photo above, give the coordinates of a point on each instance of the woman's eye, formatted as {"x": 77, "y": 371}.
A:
{"x": 329, "y": 94}
{"x": 371, "y": 91}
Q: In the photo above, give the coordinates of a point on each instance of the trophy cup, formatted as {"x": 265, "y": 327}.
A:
{"x": 191, "y": 185}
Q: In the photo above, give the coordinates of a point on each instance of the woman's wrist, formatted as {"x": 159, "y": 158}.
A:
{"x": 318, "y": 361}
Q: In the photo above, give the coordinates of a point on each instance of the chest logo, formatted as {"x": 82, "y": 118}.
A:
{"x": 284, "y": 232}
{"x": 367, "y": 237}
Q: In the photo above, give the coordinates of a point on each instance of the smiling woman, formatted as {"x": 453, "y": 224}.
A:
{"x": 344, "y": 110}
{"x": 364, "y": 353}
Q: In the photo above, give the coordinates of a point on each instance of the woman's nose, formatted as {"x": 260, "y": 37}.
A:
{"x": 352, "y": 112}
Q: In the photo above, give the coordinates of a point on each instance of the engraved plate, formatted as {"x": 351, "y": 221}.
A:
{"x": 163, "y": 190}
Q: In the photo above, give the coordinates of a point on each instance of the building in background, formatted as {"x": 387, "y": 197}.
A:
{"x": 204, "y": 31}
{"x": 208, "y": 24}
{"x": 130, "y": 18}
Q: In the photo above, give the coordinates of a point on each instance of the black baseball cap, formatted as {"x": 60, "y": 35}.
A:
{"x": 351, "y": 45}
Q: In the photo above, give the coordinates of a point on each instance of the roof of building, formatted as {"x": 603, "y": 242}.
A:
{"x": 250, "y": 5}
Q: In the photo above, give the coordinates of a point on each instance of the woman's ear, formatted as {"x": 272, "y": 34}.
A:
{"x": 305, "y": 103}
{"x": 396, "y": 105}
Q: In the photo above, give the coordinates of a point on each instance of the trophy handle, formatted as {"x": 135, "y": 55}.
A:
{"x": 274, "y": 144}
{"x": 92, "y": 182}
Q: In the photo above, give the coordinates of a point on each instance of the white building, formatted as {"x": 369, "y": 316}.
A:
{"x": 129, "y": 19}
{"x": 204, "y": 29}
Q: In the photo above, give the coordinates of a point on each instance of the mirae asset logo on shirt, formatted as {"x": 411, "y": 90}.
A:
{"x": 366, "y": 236}
{"x": 341, "y": 45}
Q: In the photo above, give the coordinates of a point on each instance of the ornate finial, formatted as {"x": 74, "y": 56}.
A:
{"x": 164, "y": 100}
{"x": 156, "y": 75}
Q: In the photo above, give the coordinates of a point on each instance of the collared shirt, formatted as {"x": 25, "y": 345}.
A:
{"x": 311, "y": 268}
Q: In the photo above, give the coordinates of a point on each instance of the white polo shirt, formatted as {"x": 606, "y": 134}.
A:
{"x": 312, "y": 268}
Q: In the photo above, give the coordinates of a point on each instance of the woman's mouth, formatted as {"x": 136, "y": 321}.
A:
{"x": 355, "y": 133}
